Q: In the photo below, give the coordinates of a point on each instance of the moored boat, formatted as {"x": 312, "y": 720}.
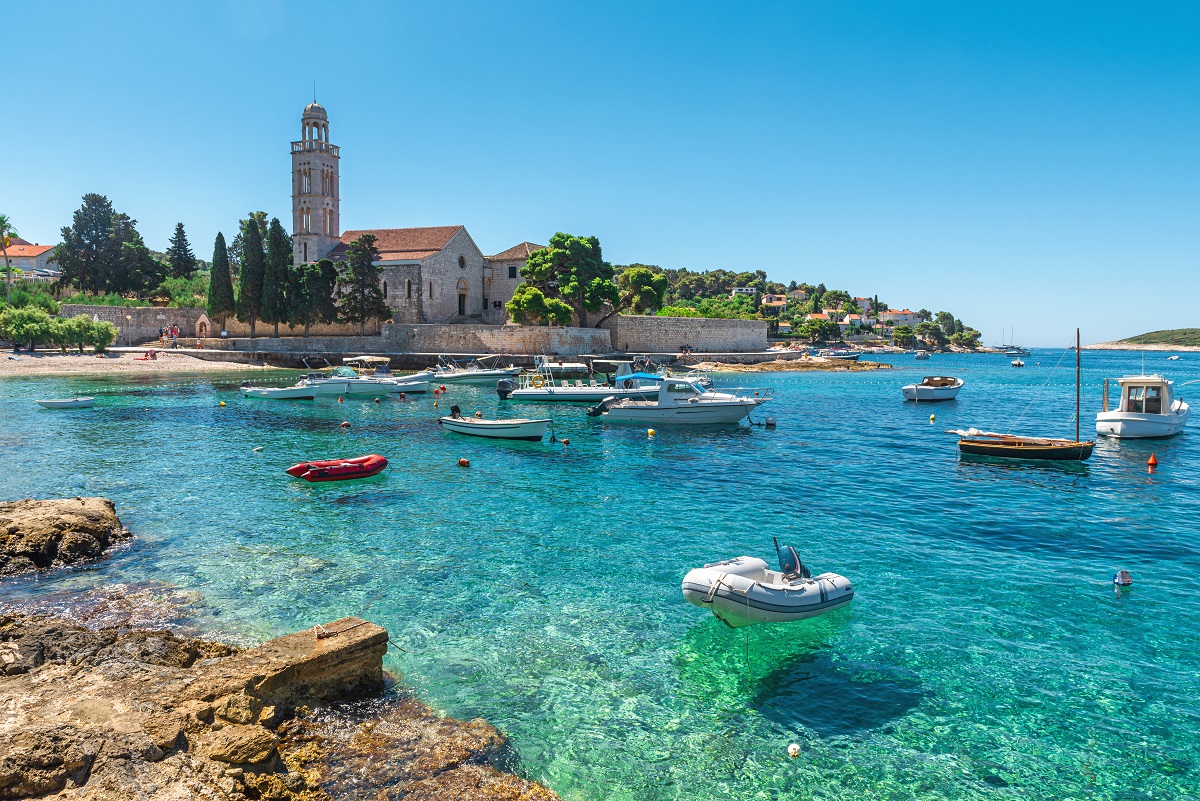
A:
{"x": 682, "y": 401}
{"x": 1147, "y": 409}
{"x": 339, "y": 469}
{"x": 933, "y": 388}
{"x": 542, "y": 386}
{"x": 66, "y": 403}
{"x": 1010, "y": 446}
{"x": 921, "y": 355}
{"x": 743, "y": 591}
{"x": 450, "y": 371}
{"x": 513, "y": 428}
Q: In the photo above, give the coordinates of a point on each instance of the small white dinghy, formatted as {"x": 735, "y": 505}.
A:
{"x": 67, "y": 403}
{"x": 281, "y": 393}
{"x": 742, "y": 591}
{"x": 933, "y": 388}
{"x": 515, "y": 428}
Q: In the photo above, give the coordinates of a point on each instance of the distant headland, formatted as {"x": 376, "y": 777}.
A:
{"x": 1172, "y": 339}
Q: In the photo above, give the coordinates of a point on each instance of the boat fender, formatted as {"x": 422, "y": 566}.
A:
{"x": 479, "y": 415}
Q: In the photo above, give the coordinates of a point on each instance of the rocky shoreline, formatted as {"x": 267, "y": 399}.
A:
{"x": 39, "y": 535}
{"x": 118, "y": 713}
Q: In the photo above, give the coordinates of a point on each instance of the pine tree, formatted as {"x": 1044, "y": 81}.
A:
{"x": 180, "y": 255}
{"x": 220, "y": 285}
{"x": 275, "y": 280}
{"x": 250, "y": 290}
{"x": 358, "y": 279}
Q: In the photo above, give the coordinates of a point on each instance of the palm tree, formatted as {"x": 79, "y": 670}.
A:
{"x": 7, "y": 232}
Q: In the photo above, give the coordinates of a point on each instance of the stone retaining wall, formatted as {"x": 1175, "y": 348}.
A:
{"x": 639, "y": 334}
{"x": 137, "y": 324}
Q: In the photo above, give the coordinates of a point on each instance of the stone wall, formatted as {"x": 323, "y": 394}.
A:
{"x": 402, "y": 338}
{"x": 137, "y": 324}
{"x": 639, "y": 334}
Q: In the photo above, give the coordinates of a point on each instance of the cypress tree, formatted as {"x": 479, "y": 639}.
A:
{"x": 358, "y": 278}
{"x": 250, "y": 290}
{"x": 180, "y": 255}
{"x": 275, "y": 280}
{"x": 311, "y": 296}
{"x": 220, "y": 285}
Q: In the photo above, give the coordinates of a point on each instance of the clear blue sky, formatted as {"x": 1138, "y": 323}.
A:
{"x": 1027, "y": 165}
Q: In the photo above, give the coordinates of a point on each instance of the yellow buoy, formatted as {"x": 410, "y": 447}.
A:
{"x": 222, "y": 403}
{"x": 650, "y": 432}
{"x": 932, "y": 417}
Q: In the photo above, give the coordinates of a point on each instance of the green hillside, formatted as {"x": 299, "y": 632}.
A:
{"x": 1176, "y": 336}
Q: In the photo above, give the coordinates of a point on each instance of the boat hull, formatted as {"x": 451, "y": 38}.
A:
{"x": 739, "y": 601}
{"x": 1131, "y": 425}
{"x": 694, "y": 414}
{"x": 916, "y": 392}
{"x": 339, "y": 469}
{"x": 1073, "y": 452}
{"x": 481, "y": 377}
{"x": 582, "y": 394}
{"x": 282, "y": 393}
{"x": 67, "y": 403}
{"x": 528, "y": 430}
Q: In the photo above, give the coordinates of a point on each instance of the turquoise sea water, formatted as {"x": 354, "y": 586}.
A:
{"x": 986, "y": 654}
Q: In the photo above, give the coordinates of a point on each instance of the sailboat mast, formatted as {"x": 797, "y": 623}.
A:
{"x": 1077, "y": 384}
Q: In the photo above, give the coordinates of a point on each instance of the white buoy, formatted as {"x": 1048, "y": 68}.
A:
{"x": 793, "y": 750}
{"x": 258, "y": 449}
{"x": 770, "y": 422}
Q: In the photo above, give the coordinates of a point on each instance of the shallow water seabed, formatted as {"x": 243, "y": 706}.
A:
{"x": 985, "y": 654}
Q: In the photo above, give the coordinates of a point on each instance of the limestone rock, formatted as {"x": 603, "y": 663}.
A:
{"x": 36, "y": 535}
{"x": 242, "y": 745}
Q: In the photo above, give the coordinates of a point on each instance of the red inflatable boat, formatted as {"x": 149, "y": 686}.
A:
{"x": 339, "y": 469}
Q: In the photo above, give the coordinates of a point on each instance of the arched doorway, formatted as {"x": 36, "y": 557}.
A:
{"x": 462, "y": 297}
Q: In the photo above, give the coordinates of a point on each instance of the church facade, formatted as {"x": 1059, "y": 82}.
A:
{"x": 428, "y": 275}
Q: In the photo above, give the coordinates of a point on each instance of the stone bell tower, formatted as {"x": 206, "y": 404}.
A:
{"x": 316, "y": 218}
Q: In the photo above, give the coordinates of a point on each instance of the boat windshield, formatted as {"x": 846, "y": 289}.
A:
{"x": 344, "y": 372}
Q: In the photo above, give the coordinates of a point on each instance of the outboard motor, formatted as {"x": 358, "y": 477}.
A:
{"x": 789, "y": 562}
{"x": 505, "y": 387}
{"x": 455, "y": 412}
{"x": 601, "y": 407}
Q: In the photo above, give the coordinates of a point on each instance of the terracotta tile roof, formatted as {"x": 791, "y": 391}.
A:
{"x": 520, "y": 251}
{"x": 817, "y": 317}
{"x": 16, "y": 240}
{"x": 396, "y": 244}
{"x": 27, "y": 251}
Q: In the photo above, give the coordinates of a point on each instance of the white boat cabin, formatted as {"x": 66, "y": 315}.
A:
{"x": 1143, "y": 394}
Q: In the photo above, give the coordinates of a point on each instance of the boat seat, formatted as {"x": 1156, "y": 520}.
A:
{"x": 566, "y": 383}
{"x": 578, "y": 383}
{"x": 592, "y": 383}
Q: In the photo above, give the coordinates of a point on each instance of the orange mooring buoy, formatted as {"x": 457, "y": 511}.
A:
{"x": 464, "y": 463}
{"x": 343, "y": 425}
{"x": 1151, "y": 463}
{"x": 339, "y": 398}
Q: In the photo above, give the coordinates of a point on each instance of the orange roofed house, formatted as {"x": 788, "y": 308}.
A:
{"x": 428, "y": 275}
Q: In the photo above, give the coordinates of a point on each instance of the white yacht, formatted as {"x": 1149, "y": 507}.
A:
{"x": 933, "y": 388}
{"x": 921, "y": 355}
{"x": 1147, "y": 408}
{"x": 450, "y": 371}
{"x": 344, "y": 381}
{"x": 682, "y": 401}
{"x": 543, "y": 386}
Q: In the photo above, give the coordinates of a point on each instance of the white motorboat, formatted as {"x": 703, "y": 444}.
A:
{"x": 682, "y": 401}
{"x": 921, "y": 355}
{"x": 542, "y": 386}
{"x": 1172, "y": 358}
{"x": 66, "y": 403}
{"x": 742, "y": 591}
{"x": 450, "y": 371}
{"x": 344, "y": 381}
{"x": 1147, "y": 408}
{"x": 1018, "y": 363}
{"x": 933, "y": 388}
{"x": 514, "y": 428}
{"x": 280, "y": 393}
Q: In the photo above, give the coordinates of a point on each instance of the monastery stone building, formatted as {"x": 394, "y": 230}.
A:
{"x": 429, "y": 275}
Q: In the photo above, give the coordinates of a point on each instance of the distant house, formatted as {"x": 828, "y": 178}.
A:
{"x": 798, "y": 295}
{"x": 849, "y": 320}
{"x": 776, "y": 301}
{"x": 866, "y": 304}
{"x": 816, "y": 316}
{"x": 33, "y": 260}
{"x": 898, "y": 317}
{"x": 834, "y": 313}
{"x": 751, "y": 292}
